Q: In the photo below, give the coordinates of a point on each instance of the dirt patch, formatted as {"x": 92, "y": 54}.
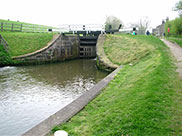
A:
{"x": 177, "y": 53}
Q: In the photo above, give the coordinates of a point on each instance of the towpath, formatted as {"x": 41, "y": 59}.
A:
{"x": 177, "y": 53}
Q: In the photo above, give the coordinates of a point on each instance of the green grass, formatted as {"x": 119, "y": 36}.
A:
{"x": 26, "y": 27}
{"x": 5, "y": 58}
{"x": 14, "y": 22}
{"x": 144, "y": 99}
{"x": 23, "y": 43}
{"x": 124, "y": 49}
{"x": 175, "y": 40}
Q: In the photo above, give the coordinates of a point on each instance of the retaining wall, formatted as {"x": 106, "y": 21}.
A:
{"x": 61, "y": 48}
{"x": 102, "y": 61}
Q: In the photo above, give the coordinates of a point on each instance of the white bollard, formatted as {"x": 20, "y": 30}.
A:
{"x": 60, "y": 133}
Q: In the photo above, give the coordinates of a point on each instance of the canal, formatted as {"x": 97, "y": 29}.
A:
{"x": 30, "y": 94}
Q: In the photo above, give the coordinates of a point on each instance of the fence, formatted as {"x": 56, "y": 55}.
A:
{"x": 4, "y": 43}
{"x": 18, "y": 27}
{"x": 15, "y": 27}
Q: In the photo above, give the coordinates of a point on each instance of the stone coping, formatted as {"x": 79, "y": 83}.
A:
{"x": 71, "y": 109}
{"x": 102, "y": 57}
{"x": 49, "y": 44}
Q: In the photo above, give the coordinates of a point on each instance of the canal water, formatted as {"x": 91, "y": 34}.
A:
{"x": 30, "y": 94}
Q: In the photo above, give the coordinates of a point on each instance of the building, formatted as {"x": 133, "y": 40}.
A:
{"x": 160, "y": 29}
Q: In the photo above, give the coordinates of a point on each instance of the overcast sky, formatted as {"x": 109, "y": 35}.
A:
{"x": 56, "y": 12}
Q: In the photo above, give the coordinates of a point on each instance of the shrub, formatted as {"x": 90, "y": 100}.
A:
{"x": 5, "y": 58}
{"x": 175, "y": 27}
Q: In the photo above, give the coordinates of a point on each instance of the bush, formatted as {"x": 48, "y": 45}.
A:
{"x": 5, "y": 58}
{"x": 175, "y": 27}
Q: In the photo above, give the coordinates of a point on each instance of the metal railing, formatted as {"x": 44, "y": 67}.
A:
{"x": 79, "y": 27}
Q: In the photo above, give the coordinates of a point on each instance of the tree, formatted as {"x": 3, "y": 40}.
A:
{"x": 178, "y": 7}
{"x": 112, "y": 23}
{"x": 142, "y": 25}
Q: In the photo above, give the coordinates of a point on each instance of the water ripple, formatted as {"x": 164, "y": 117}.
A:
{"x": 30, "y": 94}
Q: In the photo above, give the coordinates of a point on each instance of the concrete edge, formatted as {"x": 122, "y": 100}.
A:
{"x": 71, "y": 109}
{"x": 49, "y": 44}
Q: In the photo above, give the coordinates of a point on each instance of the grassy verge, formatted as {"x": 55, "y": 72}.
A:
{"x": 5, "y": 58}
{"x": 23, "y": 43}
{"x": 143, "y": 99}
{"x": 175, "y": 40}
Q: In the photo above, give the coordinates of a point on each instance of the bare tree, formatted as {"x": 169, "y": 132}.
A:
{"x": 112, "y": 23}
{"x": 143, "y": 25}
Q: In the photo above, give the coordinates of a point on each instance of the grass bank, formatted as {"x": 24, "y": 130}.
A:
{"x": 5, "y": 58}
{"x": 123, "y": 49}
{"x": 23, "y": 43}
{"x": 143, "y": 99}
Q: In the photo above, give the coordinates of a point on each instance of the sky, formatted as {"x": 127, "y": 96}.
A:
{"x": 57, "y": 12}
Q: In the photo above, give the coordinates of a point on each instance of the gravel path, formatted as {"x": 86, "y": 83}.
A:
{"x": 177, "y": 52}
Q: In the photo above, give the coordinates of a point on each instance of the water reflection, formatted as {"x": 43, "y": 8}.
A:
{"x": 30, "y": 94}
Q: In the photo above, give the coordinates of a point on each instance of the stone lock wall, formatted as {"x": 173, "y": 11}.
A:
{"x": 102, "y": 60}
{"x": 62, "y": 48}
